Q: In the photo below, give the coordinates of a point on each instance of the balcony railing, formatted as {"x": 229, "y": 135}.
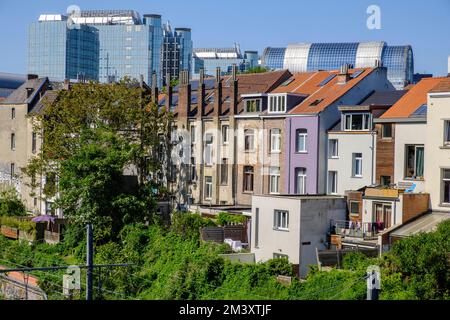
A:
{"x": 356, "y": 229}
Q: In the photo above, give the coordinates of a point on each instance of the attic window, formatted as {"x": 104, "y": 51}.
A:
{"x": 284, "y": 84}
{"x": 327, "y": 79}
{"x": 356, "y": 74}
{"x": 315, "y": 102}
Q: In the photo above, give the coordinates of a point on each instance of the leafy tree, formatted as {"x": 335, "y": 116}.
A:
{"x": 257, "y": 69}
{"x": 10, "y": 203}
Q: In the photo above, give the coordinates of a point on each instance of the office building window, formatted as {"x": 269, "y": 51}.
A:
{"x": 386, "y": 130}
{"x": 13, "y": 113}
{"x": 224, "y": 172}
{"x": 225, "y": 130}
{"x": 445, "y": 186}
{"x": 382, "y": 215}
{"x": 300, "y": 180}
{"x": 446, "y": 132}
{"x": 357, "y": 121}
{"x": 354, "y": 207}
{"x": 281, "y": 220}
{"x": 193, "y": 134}
{"x": 357, "y": 165}
{"x": 13, "y": 141}
{"x": 249, "y": 140}
{"x": 333, "y": 148}
{"x": 277, "y": 104}
{"x": 414, "y": 155}
{"x": 208, "y": 187}
{"x": 253, "y": 105}
{"x": 256, "y": 227}
{"x": 208, "y": 149}
{"x": 33, "y": 142}
{"x": 275, "y": 140}
{"x": 300, "y": 140}
{"x": 332, "y": 182}
{"x": 248, "y": 178}
{"x": 274, "y": 180}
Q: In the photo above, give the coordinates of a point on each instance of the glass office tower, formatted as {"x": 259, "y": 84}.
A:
{"x": 224, "y": 58}
{"x": 304, "y": 57}
{"x": 103, "y": 45}
{"x": 58, "y": 52}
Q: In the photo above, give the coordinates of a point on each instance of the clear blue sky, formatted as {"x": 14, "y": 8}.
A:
{"x": 256, "y": 24}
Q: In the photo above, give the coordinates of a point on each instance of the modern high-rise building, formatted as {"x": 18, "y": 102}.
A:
{"x": 224, "y": 58}
{"x": 303, "y": 57}
{"x": 103, "y": 45}
{"x": 176, "y": 52}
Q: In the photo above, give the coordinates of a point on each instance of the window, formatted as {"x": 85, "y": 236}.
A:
{"x": 385, "y": 180}
{"x": 256, "y": 227}
{"x": 300, "y": 140}
{"x": 13, "y": 170}
{"x": 357, "y": 165}
{"x": 414, "y": 161}
{"x": 13, "y": 141}
{"x": 300, "y": 180}
{"x": 208, "y": 187}
{"x": 33, "y": 142}
{"x": 13, "y": 113}
{"x": 354, "y": 207}
{"x": 253, "y": 105}
{"x": 249, "y": 143}
{"x": 332, "y": 182}
{"x": 386, "y": 131}
{"x": 382, "y": 215}
{"x": 446, "y": 132}
{"x": 445, "y": 196}
{"x": 277, "y": 104}
{"x": 274, "y": 180}
{"x": 224, "y": 171}
{"x": 275, "y": 140}
{"x": 248, "y": 178}
{"x": 225, "y": 130}
{"x": 333, "y": 148}
{"x": 193, "y": 134}
{"x": 315, "y": 102}
{"x": 208, "y": 149}
{"x": 35, "y": 202}
{"x": 357, "y": 121}
{"x": 193, "y": 170}
{"x": 280, "y": 256}
{"x": 281, "y": 220}
{"x": 49, "y": 210}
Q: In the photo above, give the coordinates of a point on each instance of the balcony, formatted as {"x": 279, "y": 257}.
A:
{"x": 361, "y": 230}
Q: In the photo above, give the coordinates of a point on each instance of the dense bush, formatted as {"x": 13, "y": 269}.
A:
{"x": 10, "y": 203}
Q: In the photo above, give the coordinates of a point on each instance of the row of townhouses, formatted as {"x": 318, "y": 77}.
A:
{"x": 314, "y": 159}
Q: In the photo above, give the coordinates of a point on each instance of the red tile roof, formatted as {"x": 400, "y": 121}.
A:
{"x": 412, "y": 100}
{"x": 442, "y": 86}
{"x": 320, "y": 97}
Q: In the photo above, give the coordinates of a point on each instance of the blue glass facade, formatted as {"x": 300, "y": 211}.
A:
{"x": 58, "y": 52}
{"x": 330, "y": 56}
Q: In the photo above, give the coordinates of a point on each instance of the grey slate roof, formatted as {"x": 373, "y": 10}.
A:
{"x": 19, "y": 96}
{"x": 11, "y": 81}
{"x": 384, "y": 98}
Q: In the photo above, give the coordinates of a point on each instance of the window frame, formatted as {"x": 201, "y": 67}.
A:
{"x": 301, "y": 132}
{"x": 275, "y": 136}
{"x": 277, "y": 103}
{"x": 442, "y": 187}
{"x": 274, "y": 172}
{"x": 193, "y": 134}
{"x": 225, "y": 131}
{"x": 13, "y": 113}
{"x": 297, "y": 175}
{"x": 252, "y": 135}
{"x": 366, "y": 124}
{"x": 251, "y": 173}
{"x": 405, "y": 171}
{"x": 355, "y": 160}
{"x": 208, "y": 187}
{"x": 351, "y": 212}
{"x": 281, "y": 220}
{"x": 224, "y": 172}
{"x": 258, "y": 104}
{"x": 335, "y": 185}
{"x": 13, "y": 141}
{"x": 330, "y": 154}
{"x": 209, "y": 149}
{"x": 383, "y": 126}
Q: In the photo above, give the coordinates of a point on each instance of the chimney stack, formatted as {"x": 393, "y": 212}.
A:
{"x": 218, "y": 93}
{"x": 344, "y": 76}
{"x": 378, "y": 63}
{"x": 234, "y": 91}
{"x": 168, "y": 92}
{"x": 201, "y": 95}
{"x": 31, "y": 76}
{"x": 155, "y": 91}
{"x": 184, "y": 95}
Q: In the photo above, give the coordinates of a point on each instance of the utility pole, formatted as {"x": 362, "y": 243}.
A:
{"x": 373, "y": 283}
{"x": 89, "y": 261}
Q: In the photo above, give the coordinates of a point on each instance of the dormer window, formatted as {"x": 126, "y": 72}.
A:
{"x": 253, "y": 105}
{"x": 357, "y": 122}
{"x": 277, "y": 103}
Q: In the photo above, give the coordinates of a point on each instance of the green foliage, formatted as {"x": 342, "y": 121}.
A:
{"x": 188, "y": 225}
{"x": 23, "y": 225}
{"x": 10, "y": 203}
{"x": 225, "y": 218}
{"x": 257, "y": 69}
